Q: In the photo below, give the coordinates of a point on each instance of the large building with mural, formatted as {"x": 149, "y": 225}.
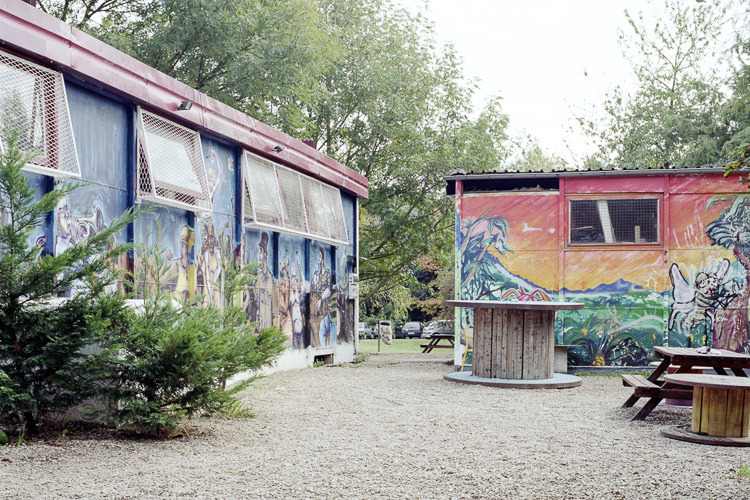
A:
{"x": 224, "y": 188}
{"x": 658, "y": 257}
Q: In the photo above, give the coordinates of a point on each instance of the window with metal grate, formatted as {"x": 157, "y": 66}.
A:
{"x": 170, "y": 166}
{"x": 614, "y": 221}
{"x": 33, "y": 105}
{"x": 281, "y": 199}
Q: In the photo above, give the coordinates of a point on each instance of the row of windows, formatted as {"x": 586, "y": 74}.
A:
{"x": 169, "y": 165}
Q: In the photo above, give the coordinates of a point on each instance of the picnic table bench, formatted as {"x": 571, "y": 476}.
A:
{"x": 434, "y": 342}
{"x": 683, "y": 359}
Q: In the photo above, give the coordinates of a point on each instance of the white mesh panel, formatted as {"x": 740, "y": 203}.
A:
{"x": 170, "y": 164}
{"x": 314, "y": 207}
{"x": 287, "y": 201}
{"x": 334, "y": 212}
{"x": 264, "y": 190}
{"x": 247, "y": 209}
{"x": 291, "y": 197}
{"x": 33, "y": 102}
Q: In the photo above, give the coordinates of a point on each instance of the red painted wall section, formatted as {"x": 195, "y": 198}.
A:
{"x": 28, "y": 30}
{"x": 707, "y": 183}
{"x": 614, "y": 184}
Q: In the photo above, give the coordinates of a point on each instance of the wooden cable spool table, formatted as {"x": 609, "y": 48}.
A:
{"x": 514, "y": 340}
{"x": 721, "y": 409}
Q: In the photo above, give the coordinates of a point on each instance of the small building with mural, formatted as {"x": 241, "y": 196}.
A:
{"x": 224, "y": 187}
{"x": 658, "y": 257}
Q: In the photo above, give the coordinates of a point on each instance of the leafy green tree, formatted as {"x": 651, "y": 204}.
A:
{"x": 399, "y": 111}
{"x": 671, "y": 118}
{"x": 45, "y": 366}
{"x": 529, "y": 156}
{"x": 737, "y": 109}
{"x": 362, "y": 78}
{"x": 83, "y": 14}
{"x": 258, "y": 56}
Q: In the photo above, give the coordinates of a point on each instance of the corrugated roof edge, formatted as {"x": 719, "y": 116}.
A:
{"x": 584, "y": 173}
{"x": 30, "y": 31}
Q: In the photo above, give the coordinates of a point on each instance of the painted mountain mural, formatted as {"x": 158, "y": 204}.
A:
{"x": 686, "y": 285}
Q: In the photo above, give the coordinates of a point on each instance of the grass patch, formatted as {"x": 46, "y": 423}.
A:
{"x": 744, "y": 471}
{"x": 398, "y": 346}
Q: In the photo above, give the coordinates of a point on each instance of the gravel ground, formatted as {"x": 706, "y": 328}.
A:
{"x": 392, "y": 428}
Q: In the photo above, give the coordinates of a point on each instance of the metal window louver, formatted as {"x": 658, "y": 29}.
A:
{"x": 281, "y": 199}
{"x": 314, "y": 206}
{"x": 170, "y": 168}
{"x": 34, "y": 105}
{"x": 291, "y": 198}
{"x": 334, "y": 212}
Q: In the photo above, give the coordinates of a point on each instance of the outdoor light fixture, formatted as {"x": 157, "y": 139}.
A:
{"x": 185, "y": 105}
{"x": 278, "y": 149}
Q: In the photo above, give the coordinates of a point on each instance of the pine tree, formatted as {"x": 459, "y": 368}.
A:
{"x": 47, "y": 363}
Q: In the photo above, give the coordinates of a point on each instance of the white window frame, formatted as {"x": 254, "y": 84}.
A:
{"x": 59, "y": 157}
{"x": 250, "y": 196}
{"x": 149, "y": 191}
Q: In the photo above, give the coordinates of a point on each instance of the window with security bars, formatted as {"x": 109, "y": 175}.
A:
{"x": 614, "y": 221}
{"x": 33, "y": 102}
{"x": 281, "y": 199}
{"x": 170, "y": 164}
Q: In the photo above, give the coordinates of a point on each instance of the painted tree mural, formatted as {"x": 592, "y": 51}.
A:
{"x": 731, "y": 230}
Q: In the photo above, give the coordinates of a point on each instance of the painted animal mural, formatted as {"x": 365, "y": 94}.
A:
{"x": 695, "y": 306}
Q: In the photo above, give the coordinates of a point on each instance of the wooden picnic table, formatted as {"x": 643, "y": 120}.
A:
{"x": 514, "y": 340}
{"x": 434, "y": 342}
{"x": 683, "y": 360}
{"x": 721, "y": 409}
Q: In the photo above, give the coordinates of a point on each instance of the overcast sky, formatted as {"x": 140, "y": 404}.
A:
{"x": 535, "y": 54}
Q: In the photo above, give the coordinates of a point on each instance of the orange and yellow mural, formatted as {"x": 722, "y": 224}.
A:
{"x": 685, "y": 285}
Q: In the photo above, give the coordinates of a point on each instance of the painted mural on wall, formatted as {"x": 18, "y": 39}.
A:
{"x": 215, "y": 247}
{"x": 293, "y": 290}
{"x": 691, "y": 291}
{"x": 83, "y": 213}
{"x": 511, "y": 250}
{"x": 710, "y": 295}
{"x": 323, "y": 304}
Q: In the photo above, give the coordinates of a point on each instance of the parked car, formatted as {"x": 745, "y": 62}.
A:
{"x": 411, "y": 329}
{"x": 427, "y": 331}
{"x": 443, "y": 326}
{"x": 365, "y": 332}
{"x": 397, "y": 331}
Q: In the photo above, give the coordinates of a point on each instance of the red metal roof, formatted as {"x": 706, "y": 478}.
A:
{"x": 50, "y": 41}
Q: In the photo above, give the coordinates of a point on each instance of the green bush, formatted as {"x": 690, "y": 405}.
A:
{"x": 44, "y": 366}
{"x": 175, "y": 360}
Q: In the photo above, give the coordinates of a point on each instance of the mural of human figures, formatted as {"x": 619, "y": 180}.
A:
{"x": 345, "y": 326}
{"x": 292, "y": 287}
{"x": 322, "y": 304}
{"x": 74, "y": 227}
{"x": 209, "y": 265}
{"x": 181, "y": 270}
{"x": 264, "y": 291}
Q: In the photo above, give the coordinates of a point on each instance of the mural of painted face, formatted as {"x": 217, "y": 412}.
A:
{"x": 64, "y": 220}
